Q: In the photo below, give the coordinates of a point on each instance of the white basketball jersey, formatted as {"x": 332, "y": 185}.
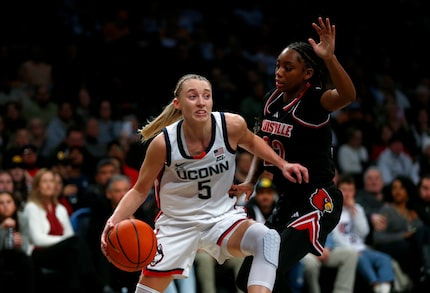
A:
{"x": 197, "y": 188}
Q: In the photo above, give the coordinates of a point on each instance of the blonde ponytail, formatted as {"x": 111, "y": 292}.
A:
{"x": 169, "y": 115}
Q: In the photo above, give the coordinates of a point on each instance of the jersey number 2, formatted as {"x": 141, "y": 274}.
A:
{"x": 277, "y": 146}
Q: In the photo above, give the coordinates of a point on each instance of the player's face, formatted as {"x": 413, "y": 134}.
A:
{"x": 195, "y": 100}
{"x": 291, "y": 73}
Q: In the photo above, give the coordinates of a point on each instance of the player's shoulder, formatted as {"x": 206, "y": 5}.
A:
{"x": 233, "y": 118}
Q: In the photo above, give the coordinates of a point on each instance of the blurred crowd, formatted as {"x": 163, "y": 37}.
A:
{"x": 79, "y": 78}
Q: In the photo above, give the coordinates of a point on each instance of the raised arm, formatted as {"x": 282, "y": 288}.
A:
{"x": 344, "y": 91}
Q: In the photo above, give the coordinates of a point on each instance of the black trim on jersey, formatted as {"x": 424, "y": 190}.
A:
{"x": 168, "y": 147}
{"x": 181, "y": 144}
{"x": 225, "y": 135}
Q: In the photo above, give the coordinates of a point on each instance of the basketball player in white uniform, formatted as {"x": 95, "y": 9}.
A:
{"x": 191, "y": 161}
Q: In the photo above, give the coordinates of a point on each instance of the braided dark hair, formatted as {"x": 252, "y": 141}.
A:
{"x": 312, "y": 61}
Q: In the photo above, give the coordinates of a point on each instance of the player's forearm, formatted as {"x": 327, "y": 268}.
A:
{"x": 340, "y": 79}
{"x": 255, "y": 170}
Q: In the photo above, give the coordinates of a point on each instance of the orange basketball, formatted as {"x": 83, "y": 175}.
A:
{"x": 131, "y": 245}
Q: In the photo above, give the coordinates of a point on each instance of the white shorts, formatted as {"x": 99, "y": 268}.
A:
{"x": 178, "y": 242}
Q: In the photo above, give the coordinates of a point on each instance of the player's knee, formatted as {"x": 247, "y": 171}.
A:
{"x": 271, "y": 243}
{"x": 259, "y": 239}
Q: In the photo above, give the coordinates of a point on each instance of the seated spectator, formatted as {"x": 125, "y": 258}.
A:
{"x": 371, "y": 198}
{"x": 52, "y": 242}
{"x": 20, "y": 177}
{"x": 38, "y": 136}
{"x": 30, "y": 159}
{"x": 385, "y": 132}
{"x": 394, "y": 161}
{"x": 344, "y": 259}
{"x": 101, "y": 210}
{"x": 6, "y": 182}
{"x": 423, "y": 158}
{"x": 96, "y": 148}
{"x": 374, "y": 266}
{"x": 116, "y": 151}
{"x": 74, "y": 139}
{"x": 58, "y": 127}
{"x": 352, "y": 156}
{"x": 16, "y": 267}
{"x": 422, "y": 207}
{"x": 402, "y": 238}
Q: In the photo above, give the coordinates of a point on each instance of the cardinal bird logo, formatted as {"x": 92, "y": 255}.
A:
{"x": 322, "y": 201}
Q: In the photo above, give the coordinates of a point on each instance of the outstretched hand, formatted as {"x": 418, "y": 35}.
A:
{"x": 292, "y": 171}
{"x": 327, "y": 33}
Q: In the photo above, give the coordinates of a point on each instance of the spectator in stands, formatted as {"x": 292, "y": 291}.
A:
{"x": 116, "y": 151}
{"x": 17, "y": 141}
{"x": 352, "y": 156}
{"x": 38, "y": 136}
{"x": 422, "y": 207}
{"x": 51, "y": 237}
{"x": 92, "y": 141}
{"x": 344, "y": 259}
{"x": 374, "y": 266}
{"x": 74, "y": 139}
{"x": 384, "y": 134}
{"x": 371, "y": 198}
{"x": 101, "y": 209}
{"x": 13, "y": 117}
{"x": 423, "y": 159}
{"x": 57, "y": 128}
{"x": 105, "y": 169}
{"x": 6, "y": 182}
{"x": 394, "y": 161}
{"x": 16, "y": 267}
{"x": 401, "y": 239}
{"x": 20, "y": 177}
{"x": 40, "y": 104}
{"x": 30, "y": 159}
{"x": 75, "y": 178}
{"x": 110, "y": 127}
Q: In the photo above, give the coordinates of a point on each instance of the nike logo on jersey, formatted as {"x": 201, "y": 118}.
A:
{"x": 179, "y": 165}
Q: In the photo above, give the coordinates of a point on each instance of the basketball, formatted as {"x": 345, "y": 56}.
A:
{"x": 131, "y": 245}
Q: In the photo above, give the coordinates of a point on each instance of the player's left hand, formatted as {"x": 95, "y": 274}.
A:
{"x": 327, "y": 33}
